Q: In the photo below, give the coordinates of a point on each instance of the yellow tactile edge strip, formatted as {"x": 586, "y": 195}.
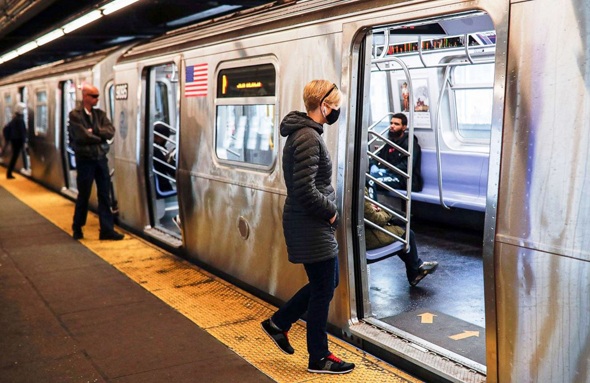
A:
{"x": 229, "y": 314}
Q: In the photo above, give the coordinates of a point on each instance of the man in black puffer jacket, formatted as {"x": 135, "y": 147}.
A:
{"x": 16, "y": 133}
{"x": 309, "y": 223}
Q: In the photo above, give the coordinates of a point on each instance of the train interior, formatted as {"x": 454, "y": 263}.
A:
{"x": 161, "y": 152}
{"x": 68, "y": 103}
{"x": 450, "y": 63}
{"x": 23, "y": 164}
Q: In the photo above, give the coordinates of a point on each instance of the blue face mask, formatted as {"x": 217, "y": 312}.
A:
{"x": 332, "y": 117}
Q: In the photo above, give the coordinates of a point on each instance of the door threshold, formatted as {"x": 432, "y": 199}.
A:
{"x": 428, "y": 356}
{"x": 166, "y": 236}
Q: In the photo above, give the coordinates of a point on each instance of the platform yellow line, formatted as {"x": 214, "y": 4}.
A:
{"x": 226, "y": 312}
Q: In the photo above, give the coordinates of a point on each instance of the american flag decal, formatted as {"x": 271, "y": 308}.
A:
{"x": 196, "y": 80}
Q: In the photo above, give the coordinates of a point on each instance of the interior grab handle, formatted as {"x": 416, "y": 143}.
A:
{"x": 437, "y": 138}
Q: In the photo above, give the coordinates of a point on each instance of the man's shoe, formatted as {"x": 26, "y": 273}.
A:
{"x": 77, "y": 234}
{"x": 281, "y": 338}
{"x": 10, "y": 177}
{"x": 424, "y": 269}
{"x": 111, "y": 235}
{"x": 330, "y": 365}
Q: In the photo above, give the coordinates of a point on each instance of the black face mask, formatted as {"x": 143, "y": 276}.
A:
{"x": 332, "y": 117}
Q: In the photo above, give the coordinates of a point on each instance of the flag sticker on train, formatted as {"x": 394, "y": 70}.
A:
{"x": 196, "y": 80}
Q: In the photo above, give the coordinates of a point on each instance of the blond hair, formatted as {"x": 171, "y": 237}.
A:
{"x": 315, "y": 90}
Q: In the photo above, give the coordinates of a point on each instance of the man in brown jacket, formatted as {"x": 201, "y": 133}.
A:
{"x": 416, "y": 270}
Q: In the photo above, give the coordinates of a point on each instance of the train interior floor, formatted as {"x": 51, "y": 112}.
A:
{"x": 128, "y": 311}
{"x": 453, "y": 297}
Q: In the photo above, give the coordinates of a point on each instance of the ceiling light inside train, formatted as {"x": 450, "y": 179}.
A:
{"x": 50, "y": 36}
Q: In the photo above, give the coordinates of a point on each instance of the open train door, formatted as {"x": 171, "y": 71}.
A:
{"x": 409, "y": 64}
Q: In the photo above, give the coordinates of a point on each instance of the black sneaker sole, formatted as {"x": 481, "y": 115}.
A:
{"x": 274, "y": 341}
{"x": 329, "y": 372}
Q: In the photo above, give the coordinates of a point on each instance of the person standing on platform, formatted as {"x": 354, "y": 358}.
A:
{"x": 309, "y": 224}
{"x": 89, "y": 130}
{"x": 15, "y": 132}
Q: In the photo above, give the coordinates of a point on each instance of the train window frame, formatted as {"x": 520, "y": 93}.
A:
{"x": 39, "y": 129}
{"x": 110, "y": 99}
{"x": 452, "y": 97}
{"x": 273, "y": 101}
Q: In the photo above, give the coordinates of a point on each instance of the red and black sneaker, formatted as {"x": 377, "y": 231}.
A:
{"x": 330, "y": 365}
{"x": 281, "y": 338}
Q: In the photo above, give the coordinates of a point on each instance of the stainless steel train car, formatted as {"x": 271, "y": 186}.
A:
{"x": 498, "y": 97}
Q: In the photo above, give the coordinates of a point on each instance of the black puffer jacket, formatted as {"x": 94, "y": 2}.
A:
{"x": 310, "y": 196}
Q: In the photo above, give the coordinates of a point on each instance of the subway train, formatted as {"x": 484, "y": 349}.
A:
{"x": 497, "y": 93}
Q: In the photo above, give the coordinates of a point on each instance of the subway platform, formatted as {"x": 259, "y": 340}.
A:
{"x": 128, "y": 311}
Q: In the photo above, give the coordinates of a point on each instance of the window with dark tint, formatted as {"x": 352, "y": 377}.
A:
{"x": 251, "y": 81}
{"x": 41, "y": 114}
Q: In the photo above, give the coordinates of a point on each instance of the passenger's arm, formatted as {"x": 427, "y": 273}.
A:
{"x": 106, "y": 130}
{"x": 79, "y": 134}
{"x": 376, "y": 215}
{"x": 305, "y": 167}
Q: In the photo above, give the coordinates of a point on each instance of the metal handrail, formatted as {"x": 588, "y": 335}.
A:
{"x": 390, "y": 211}
{"x": 165, "y": 163}
{"x": 166, "y": 125}
{"x": 166, "y": 138}
{"x": 386, "y": 187}
{"x": 164, "y": 175}
{"x": 408, "y": 153}
{"x": 391, "y": 143}
{"x": 404, "y": 241}
{"x": 166, "y": 151}
{"x": 385, "y": 45}
{"x": 436, "y": 138}
{"x": 387, "y": 164}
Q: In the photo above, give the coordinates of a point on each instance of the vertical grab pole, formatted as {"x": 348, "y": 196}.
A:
{"x": 436, "y": 137}
{"x": 410, "y": 149}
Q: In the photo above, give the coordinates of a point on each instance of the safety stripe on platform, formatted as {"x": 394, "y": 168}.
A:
{"x": 226, "y": 312}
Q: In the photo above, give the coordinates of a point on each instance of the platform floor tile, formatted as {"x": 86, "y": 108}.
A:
{"x": 226, "y": 312}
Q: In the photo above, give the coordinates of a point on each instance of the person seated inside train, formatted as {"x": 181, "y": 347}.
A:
{"x": 397, "y": 134}
{"x": 163, "y": 158}
{"x": 416, "y": 269}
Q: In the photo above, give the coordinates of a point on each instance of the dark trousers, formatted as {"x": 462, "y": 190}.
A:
{"x": 411, "y": 258}
{"x": 88, "y": 172}
{"x": 17, "y": 148}
{"x": 313, "y": 298}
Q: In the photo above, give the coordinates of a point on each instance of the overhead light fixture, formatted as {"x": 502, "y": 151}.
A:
{"x": 9, "y": 56}
{"x": 50, "y": 37}
{"x": 114, "y": 6}
{"x": 27, "y": 47}
{"x": 80, "y": 22}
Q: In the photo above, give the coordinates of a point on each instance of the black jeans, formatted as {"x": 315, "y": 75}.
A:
{"x": 313, "y": 298}
{"x": 411, "y": 258}
{"x": 389, "y": 178}
{"x": 88, "y": 172}
{"x": 17, "y": 148}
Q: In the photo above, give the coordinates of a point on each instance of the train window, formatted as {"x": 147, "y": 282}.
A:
{"x": 472, "y": 88}
{"x": 41, "y": 113}
{"x": 245, "y": 115}
{"x": 161, "y": 102}
{"x": 7, "y": 108}
{"x": 379, "y": 96}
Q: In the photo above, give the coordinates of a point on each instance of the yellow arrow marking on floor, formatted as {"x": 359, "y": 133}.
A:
{"x": 426, "y": 317}
{"x": 465, "y": 334}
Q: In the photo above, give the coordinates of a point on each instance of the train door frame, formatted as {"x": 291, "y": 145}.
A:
{"x": 355, "y": 78}
{"x": 154, "y": 229}
{"x": 67, "y": 153}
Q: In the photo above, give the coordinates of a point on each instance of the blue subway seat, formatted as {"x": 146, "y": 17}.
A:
{"x": 464, "y": 180}
{"x": 384, "y": 252}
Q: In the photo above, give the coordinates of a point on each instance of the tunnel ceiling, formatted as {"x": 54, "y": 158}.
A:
{"x": 24, "y": 20}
